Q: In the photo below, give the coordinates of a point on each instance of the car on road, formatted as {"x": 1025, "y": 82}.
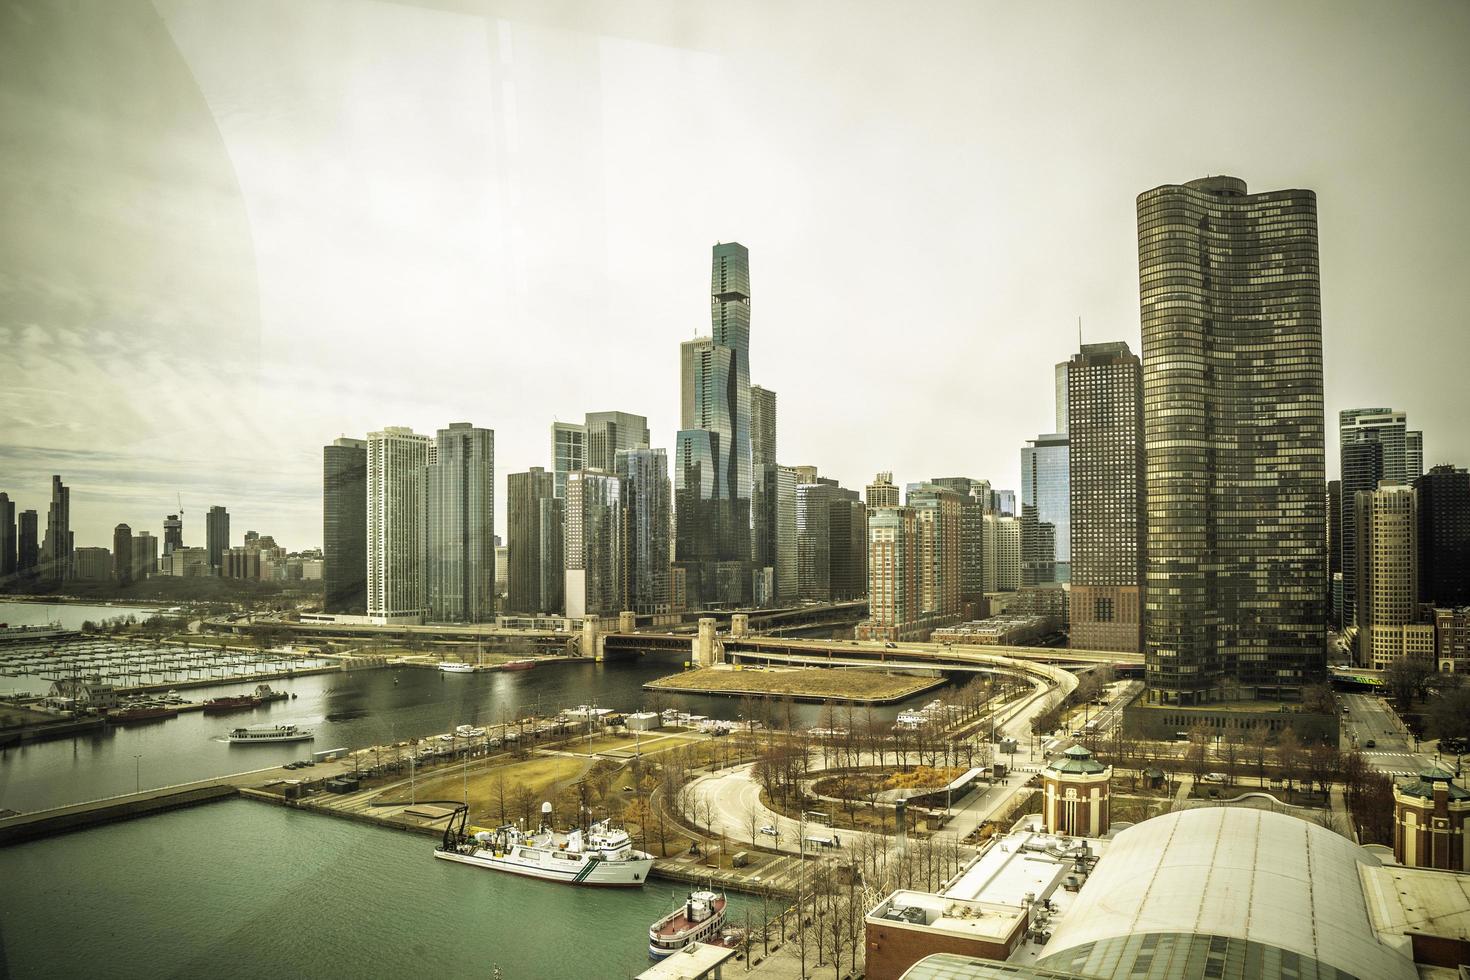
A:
{"x": 1213, "y": 777}
{"x": 1371, "y": 744}
{"x": 769, "y": 831}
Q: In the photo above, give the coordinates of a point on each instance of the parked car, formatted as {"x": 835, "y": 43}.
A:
{"x": 1213, "y": 777}
{"x": 1371, "y": 744}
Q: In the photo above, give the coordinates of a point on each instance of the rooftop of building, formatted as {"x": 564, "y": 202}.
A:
{"x": 694, "y": 960}
{"x": 1402, "y": 901}
{"x": 981, "y": 921}
{"x": 1076, "y": 761}
{"x": 1432, "y": 779}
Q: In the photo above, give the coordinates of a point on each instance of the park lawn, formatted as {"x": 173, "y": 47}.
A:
{"x": 814, "y": 682}
{"x": 537, "y": 778}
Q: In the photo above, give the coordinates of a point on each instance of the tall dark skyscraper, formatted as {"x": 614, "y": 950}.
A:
{"x": 56, "y": 549}
{"x": 459, "y": 490}
{"x": 7, "y": 536}
{"x": 647, "y": 549}
{"x": 28, "y": 549}
{"x": 712, "y": 455}
{"x": 765, "y": 495}
{"x": 1444, "y": 536}
{"x": 1105, "y": 475}
{"x": 1233, "y": 442}
{"x": 526, "y": 491}
{"x": 344, "y": 527}
{"x": 122, "y": 554}
{"x": 608, "y": 433}
{"x": 1334, "y": 551}
{"x": 216, "y": 537}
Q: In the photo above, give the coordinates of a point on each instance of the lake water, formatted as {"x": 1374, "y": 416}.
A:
{"x": 245, "y": 889}
{"x": 345, "y": 709}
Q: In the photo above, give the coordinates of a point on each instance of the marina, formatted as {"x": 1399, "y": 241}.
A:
{"x": 134, "y": 664}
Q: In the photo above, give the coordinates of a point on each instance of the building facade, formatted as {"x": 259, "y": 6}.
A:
{"x": 8, "y": 540}
{"x": 56, "y": 548}
{"x": 145, "y": 555}
{"x": 1444, "y": 536}
{"x": 92, "y": 564}
{"x": 1074, "y": 789}
{"x": 1373, "y": 445}
{"x": 1431, "y": 826}
{"x": 459, "y": 487}
{"x": 173, "y": 533}
{"x": 593, "y": 543}
{"x": 647, "y": 549}
{"x": 609, "y": 433}
{"x": 523, "y": 512}
{"x": 975, "y": 502}
{"x": 27, "y": 542}
{"x": 1387, "y": 571}
{"x": 1105, "y": 480}
{"x": 1045, "y": 483}
{"x": 396, "y": 459}
{"x": 122, "y": 554}
{"x": 344, "y": 526}
{"x": 1233, "y": 442}
{"x": 568, "y": 452}
{"x": 216, "y": 535}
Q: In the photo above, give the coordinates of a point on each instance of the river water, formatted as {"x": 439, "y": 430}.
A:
{"x": 352, "y": 709}
{"x": 69, "y": 614}
{"x": 245, "y": 889}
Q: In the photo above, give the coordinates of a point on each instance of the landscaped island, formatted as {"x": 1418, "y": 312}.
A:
{"x": 801, "y": 684}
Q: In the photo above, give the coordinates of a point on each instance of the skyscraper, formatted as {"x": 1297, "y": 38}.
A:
{"x": 762, "y": 426}
{"x": 1374, "y": 446}
{"x": 974, "y": 502}
{"x": 894, "y": 607}
{"x": 882, "y": 492}
{"x": 593, "y": 541}
{"x": 712, "y": 454}
{"x": 1444, "y": 536}
{"x": 608, "y": 433}
{"x": 27, "y": 548}
{"x": 553, "y": 570}
{"x": 938, "y": 515}
{"x": 1334, "y": 551}
{"x": 396, "y": 458}
{"x": 216, "y": 536}
{"x": 764, "y": 495}
{"x": 568, "y": 452}
{"x": 1387, "y": 571}
{"x": 1062, "y": 391}
{"x": 145, "y": 555}
{"x": 647, "y": 549}
{"x": 1038, "y": 549}
{"x": 1002, "y": 554}
{"x": 7, "y": 537}
{"x": 1233, "y": 442}
{"x": 1044, "y": 485}
{"x": 523, "y": 524}
{"x": 344, "y": 526}
{"x": 122, "y": 554}
{"x": 1105, "y": 476}
{"x": 459, "y": 488}
{"x": 56, "y": 549}
{"x": 1413, "y": 456}
{"x": 173, "y": 533}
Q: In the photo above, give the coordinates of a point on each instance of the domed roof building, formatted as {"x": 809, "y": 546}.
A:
{"x": 1075, "y": 788}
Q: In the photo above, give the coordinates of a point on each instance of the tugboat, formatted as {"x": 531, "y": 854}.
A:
{"x": 699, "y": 920}
{"x": 602, "y": 856}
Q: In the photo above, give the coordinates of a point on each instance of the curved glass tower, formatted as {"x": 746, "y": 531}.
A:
{"x": 1233, "y": 441}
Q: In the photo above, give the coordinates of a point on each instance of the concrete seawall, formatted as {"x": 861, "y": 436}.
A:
{"x": 45, "y": 823}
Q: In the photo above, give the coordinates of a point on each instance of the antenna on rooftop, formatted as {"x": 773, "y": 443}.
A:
{"x": 1079, "y": 331}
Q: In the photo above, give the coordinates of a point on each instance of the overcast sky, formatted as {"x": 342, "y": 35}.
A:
{"x": 234, "y": 231}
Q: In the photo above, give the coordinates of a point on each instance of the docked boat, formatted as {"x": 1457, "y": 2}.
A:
{"x": 519, "y": 665}
{"x": 602, "y": 856}
{"x": 19, "y": 634}
{"x": 272, "y": 733}
{"x": 134, "y": 716}
{"x": 701, "y": 919}
{"x": 240, "y": 702}
{"x": 450, "y": 667}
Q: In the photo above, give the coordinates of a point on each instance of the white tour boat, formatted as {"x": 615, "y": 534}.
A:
{"x": 271, "y": 733}
{"x": 450, "y": 667}
{"x": 603, "y": 856}
{"x": 700, "y": 919}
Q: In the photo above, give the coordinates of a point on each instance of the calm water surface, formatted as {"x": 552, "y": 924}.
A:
{"x": 69, "y": 614}
{"x": 346, "y": 710}
{"x": 249, "y": 890}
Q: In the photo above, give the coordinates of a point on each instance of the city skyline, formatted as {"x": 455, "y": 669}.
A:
{"x": 958, "y": 254}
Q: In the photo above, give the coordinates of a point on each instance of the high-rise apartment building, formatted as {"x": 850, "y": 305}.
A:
{"x": 914, "y": 564}
{"x": 27, "y": 542}
{"x": 762, "y": 426}
{"x": 56, "y": 549}
{"x": 91, "y": 564}
{"x": 122, "y": 554}
{"x": 1387, "y": 571}
{"x": 975, "y": 500}
{"x": 593, "y": 541}
{"x": 1062, "y": 390}
{"x": 776, "y": 535}
{"x": 523, "y": 524}
{"x": 1374, "y": 446}
{"x": 553, "y": 554}
{"x": 568, "y": 452}
{"x": 1413, "y": 456}
{"x": 939, "y": 519}
{"x": 7, "y": 537}
{"x": 1003, "y": 503}
{"x": 1444, "y": 536}
{"x": 173, "y": 533}
{"x": 609, "y": 433}
{"x": 831, "y": 542}
{"x": 1044, "y": 485}
{"x": 1038, "y": 549}
{"x": 459, "y": 487}
{"x": 1002, "y": 553}
{"x": 764, "y": 496}
{"x": 216, "y": 536}
{"x": 1334, "y": 551}
{"x": 396, "y": 459}
{"x": 145, "y": 555}
{"x": 647, "y": 549}
{"x": 712, "y": 455}
{"x": 1105, "y": 477}
{"x": 1233, "y": 442}
{"x": 344, "y": 526}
